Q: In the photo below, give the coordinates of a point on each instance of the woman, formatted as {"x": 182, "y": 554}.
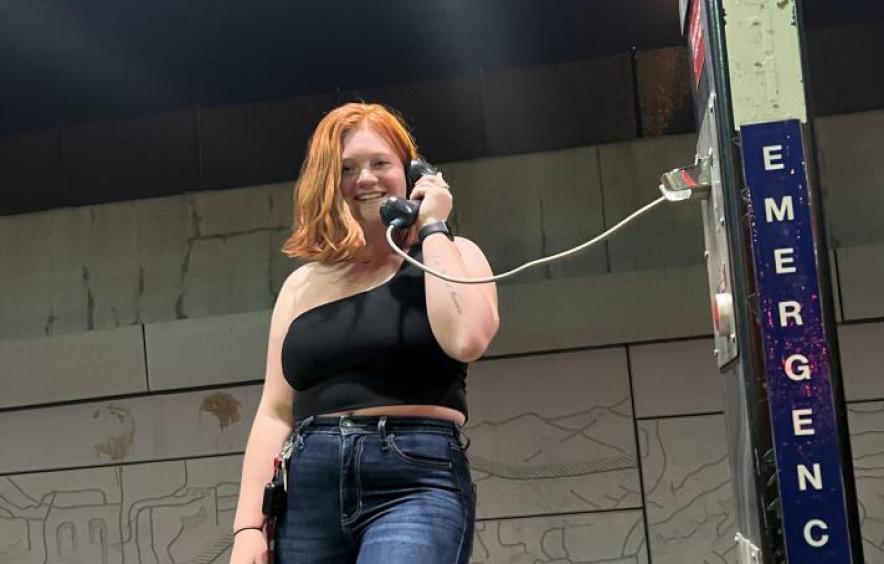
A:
{"x": 366, "y": 364}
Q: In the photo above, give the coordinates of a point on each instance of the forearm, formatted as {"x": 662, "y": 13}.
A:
{"x": 265, "y": 440}
{"x": 463, "y": 317}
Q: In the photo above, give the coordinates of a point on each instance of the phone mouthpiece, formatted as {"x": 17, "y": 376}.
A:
{"x": 399, "y": 213}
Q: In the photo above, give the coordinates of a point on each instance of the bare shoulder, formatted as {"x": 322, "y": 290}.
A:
{"x": 301, "y": 274}
{"x": 294, "y": 282}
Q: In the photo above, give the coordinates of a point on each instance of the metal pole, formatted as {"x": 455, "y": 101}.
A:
{"x": 770, "y": 293}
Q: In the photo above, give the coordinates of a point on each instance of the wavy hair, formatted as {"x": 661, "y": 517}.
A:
{"x": 324, "y": 229}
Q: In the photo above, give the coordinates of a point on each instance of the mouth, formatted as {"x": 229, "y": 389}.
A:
{"x": 371, "y": 197}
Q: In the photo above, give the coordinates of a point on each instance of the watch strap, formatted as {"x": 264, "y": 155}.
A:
{"x": 435, "y": 227}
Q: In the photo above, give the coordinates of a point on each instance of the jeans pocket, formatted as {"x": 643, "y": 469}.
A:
{"x": 428, "y": 449}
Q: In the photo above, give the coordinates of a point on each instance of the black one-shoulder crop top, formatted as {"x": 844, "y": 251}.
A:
{"x": 371, "y": 349}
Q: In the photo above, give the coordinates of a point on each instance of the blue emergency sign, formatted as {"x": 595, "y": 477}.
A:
{"x": 795, "y": 346}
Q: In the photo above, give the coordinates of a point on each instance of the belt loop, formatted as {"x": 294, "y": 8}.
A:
{"x": 382, "y": 429}
{"x": 299, "y": 432}
{"x": 303, "y": 424}
{"x": 463, "y": 438}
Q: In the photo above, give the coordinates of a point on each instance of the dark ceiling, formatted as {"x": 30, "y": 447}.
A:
{"x": 83, "y": 60}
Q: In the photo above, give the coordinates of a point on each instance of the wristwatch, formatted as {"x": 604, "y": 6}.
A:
{"x": 435, "y": 227}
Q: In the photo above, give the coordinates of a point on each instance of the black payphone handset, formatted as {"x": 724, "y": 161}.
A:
{"x": 403, "y": 213}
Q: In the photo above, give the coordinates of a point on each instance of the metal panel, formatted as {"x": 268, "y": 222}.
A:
{"x": 718, "y": 260}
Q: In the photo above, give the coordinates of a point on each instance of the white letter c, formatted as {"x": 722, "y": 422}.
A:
{"x": 824, "y": 538}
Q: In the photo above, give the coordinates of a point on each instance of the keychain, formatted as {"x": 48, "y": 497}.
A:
{"x": 275, "y": 492}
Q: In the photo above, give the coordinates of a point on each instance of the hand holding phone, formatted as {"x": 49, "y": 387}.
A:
{"x": 403, "y": 213}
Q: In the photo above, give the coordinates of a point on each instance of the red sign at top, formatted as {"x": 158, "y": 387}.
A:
{"x": 696, "y": 40}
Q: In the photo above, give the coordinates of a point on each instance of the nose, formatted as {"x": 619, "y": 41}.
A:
{"x": 365, "y": 177}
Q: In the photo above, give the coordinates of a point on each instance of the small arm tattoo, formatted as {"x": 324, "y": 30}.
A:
{"x": 451, "y": 291}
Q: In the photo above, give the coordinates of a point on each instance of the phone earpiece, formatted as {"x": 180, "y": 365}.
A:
{"x": 415, "y": 169}
{"x": 403, "y": 213}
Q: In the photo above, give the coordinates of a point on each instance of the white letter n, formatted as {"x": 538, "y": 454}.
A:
{"x": 815, "y": 479}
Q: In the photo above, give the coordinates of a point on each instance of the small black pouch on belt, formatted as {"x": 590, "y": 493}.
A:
{"x": 274, "y": 494}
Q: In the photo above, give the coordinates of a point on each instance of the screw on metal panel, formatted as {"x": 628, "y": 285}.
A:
{"x": 733, "y": 337}
{"x": 715, "y": 353}
{"x": 705, "y": 255}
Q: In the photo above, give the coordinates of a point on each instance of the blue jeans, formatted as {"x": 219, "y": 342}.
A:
{"x": 377, "y": 490}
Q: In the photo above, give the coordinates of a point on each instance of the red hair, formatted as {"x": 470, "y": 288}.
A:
{"x": 324, "y": 229}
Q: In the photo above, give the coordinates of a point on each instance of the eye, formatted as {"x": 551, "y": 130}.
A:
{"x": 347, "y": 170}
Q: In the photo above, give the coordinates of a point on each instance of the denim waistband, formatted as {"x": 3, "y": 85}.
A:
{"x": 382, "y": 425}
{"x": 372, "y": 423}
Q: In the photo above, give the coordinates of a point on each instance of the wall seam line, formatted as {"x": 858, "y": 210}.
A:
{"x": 557, "y": 514}
{"x": 144, "y": 351}
{"x": 638, "y": 457}
{"x": 132, "y": 395}
{"x": 120, "y": 464}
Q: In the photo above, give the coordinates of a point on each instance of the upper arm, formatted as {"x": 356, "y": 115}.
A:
{"x": 477, "y": 267}
{"x": 278, "y": 396}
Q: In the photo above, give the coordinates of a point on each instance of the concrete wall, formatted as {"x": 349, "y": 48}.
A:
{"x": 132, "y": 341}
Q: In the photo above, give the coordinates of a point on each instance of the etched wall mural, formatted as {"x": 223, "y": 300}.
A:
{"x": 688, "y": 498}
{"x": 615, "y": 537}
{"x": 579, "y": 461}
{"x": 867, "y": 443}
{"x": 163, "y": 512}
{"x": 182, "y": 511}
{"x": 562, "y": 441}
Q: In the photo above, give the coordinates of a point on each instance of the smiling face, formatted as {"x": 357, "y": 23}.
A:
{"x": 370, "y": 172}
